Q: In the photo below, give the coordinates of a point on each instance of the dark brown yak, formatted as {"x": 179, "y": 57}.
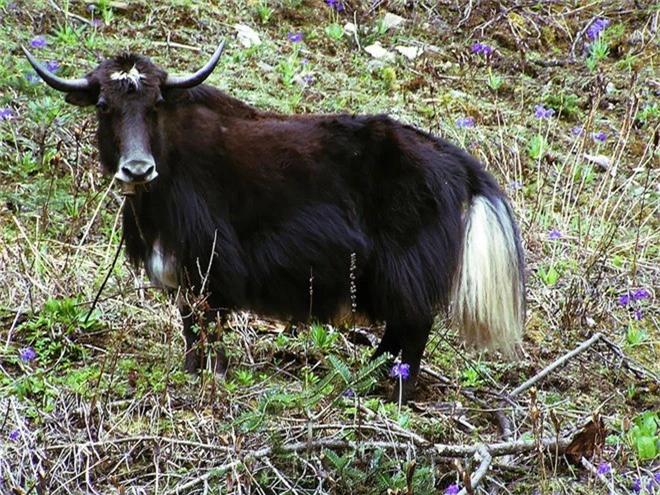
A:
{"x": 248, "y": 207}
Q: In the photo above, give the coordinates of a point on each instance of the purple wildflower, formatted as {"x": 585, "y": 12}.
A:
{"x": 335, "y": 4}
{"x": 656, "y": 477}
{"x": 637, "y": 485}
{"x": 97, "y": 22}
{"x": 304, "y": 61}
{"x": 91, "y": 8}
{"x": 14, "y": 435}
{"x": 515, "y": 185}
{"x": 604, "y": 468}
{"x": 624, "y": 300}
{"x": 308, "y": 79}
{"x": 295, "y": 37}
{"x": 27, "y": 354}
{"x": 452, "y": 489}
{"x": 465, "y": 122}
{"x": 597, "y": 27}
{"x": 638, "y": 315}
{"x": 400, "y": 370}
{"x": 349, "y": 393}
{"x": 6, "y": 113}
{"x": 38, "y": 42}
{"x": 577, "y": 130}
{"x": 554, "y": 234}
{"x": 641, "y": 294}
{"x": 540, "y": 112}
{"x": 482, "y": 48}
{"x": 33, "y": 77}
{"x": 52, "y": 65}
{"x": 600, "y": 136}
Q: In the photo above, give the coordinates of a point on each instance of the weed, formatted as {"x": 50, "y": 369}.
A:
{"x": 644, "y": 435}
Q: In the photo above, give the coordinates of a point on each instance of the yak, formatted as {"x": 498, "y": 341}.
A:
{"x": 302, "y": 217}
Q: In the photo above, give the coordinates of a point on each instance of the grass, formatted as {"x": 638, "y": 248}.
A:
{"x": 104, "y": 405}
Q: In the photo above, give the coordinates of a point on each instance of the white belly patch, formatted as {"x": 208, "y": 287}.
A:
{"x": 162, "y": 270}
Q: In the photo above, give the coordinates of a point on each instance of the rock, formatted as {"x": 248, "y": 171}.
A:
{"x": 378, "y": 52}
{"x": 410, "y": 52}
{"x": 392, "y": 20}
{"x": 601, "y": 160}
{"x": 247, "y": 36}
{"x": 350, "y": 29}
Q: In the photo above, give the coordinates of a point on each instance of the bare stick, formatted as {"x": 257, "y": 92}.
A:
{"x": 486, "y": 461}
{"x": 559, "y": 362}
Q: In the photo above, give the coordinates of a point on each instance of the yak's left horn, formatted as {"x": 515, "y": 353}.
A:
{"x": 189, "y": 81}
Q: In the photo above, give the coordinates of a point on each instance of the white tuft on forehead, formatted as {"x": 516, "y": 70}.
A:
{"x": 133, "y": 76}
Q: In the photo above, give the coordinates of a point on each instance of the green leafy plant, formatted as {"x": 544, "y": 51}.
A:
{"x": 52, "y": 331}
{"x": 643, "y": 436}
{"x": 322, "y": 337}
{"x": 538, "y": 146}
{"x": 264, "y": 11}
{"x": 335, "y": 31}
{"x": 548, "y": 275}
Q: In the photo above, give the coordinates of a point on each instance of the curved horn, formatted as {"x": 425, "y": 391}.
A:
{"x": 188, "y": 81}
{"x": 55, "y": 82}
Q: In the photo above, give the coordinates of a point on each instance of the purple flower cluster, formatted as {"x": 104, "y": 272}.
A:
{"x": 6, "y": 113}
{"x": 27, "y": 354}
{"x": 400, "y": 370}
{"x": 577, "y": 130}
{"x": 52, "y": 65}
{"x": 14, "y": 435}
{"x": 651, "y": 485}
{"x": 335, "y": 4}
{"x": 604, "y": 468}
{"x": 540, "y": 112}
{"x": 452, "y": 490}
{"x": 597, "y": 27}
{"x": 38, "y": 42}
{"x": 554, "y": 234}
{"x": 464, "y": 122}
{"x": 600, "y": 136}
{"x": 482, "y": 48}
{"x": 295, "y": 37}
{"x": 638, "y": 295}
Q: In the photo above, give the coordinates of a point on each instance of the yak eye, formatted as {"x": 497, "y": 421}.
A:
{"x": 159, "y": 101}
{"x": 103, "y": 106}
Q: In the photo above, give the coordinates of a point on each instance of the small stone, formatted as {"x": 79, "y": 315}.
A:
{"x": 392, "y": 20}
{"x": 601, "y": 160}
{"x": 410, "y": 52}
{"x": 350, "y": 28}
{"x": 378, "y": 52}
{"x": 247, "y": 36}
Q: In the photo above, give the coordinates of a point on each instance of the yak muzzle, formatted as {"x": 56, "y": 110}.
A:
{"x": 136, "y": 171}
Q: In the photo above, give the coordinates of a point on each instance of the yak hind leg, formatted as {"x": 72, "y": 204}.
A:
{"x": 202, "y": 333}
{"x": 410, "y": 337}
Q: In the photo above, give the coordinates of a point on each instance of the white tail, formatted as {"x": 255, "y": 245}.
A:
{"x": 489, "y": 288}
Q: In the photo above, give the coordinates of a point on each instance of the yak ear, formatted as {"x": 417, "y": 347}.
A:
{"x": 83, "y": 98}
{"x": 175, "y": 95}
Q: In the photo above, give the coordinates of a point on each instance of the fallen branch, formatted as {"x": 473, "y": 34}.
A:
{"x": 486, "y": 451}
{"x": 486, "y": 461}
{"x": 556, "y": 364}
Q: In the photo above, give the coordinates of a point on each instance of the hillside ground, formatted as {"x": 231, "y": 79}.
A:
{"x": 558, "y": 98}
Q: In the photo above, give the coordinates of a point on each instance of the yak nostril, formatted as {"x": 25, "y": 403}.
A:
{"x": 138, "y": 171}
